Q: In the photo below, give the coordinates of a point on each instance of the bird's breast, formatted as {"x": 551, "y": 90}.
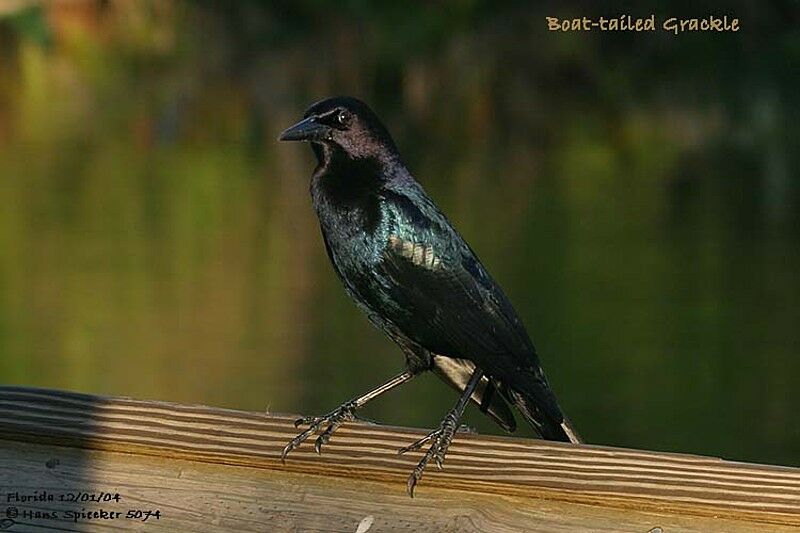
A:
{"x": 353, "y": 250}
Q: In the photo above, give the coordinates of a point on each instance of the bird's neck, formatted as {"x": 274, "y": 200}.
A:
{"x": 349, "y": 189}
{"x": 347, "y": 181}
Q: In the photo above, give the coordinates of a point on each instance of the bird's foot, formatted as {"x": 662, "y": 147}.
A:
{"x": 416, "y": 445}
{"x": 441, "y": 437}
{"x": 334, "y": 419}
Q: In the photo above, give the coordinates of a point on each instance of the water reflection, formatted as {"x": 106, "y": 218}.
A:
{"x": 640, "y": 210}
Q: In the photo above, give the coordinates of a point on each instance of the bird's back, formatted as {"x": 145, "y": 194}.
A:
{"x": 415, "y": 277}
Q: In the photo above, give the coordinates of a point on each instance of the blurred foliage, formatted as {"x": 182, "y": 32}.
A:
{"x": 636, "y": 194}
{"x": 29, "y": 22}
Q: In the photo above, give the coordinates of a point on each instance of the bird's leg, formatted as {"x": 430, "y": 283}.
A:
{"x": 441, "y": 437}
{"x": 340, "y": 415}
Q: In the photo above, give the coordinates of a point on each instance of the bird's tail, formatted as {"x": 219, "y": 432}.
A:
{"x": 550, "y": 423}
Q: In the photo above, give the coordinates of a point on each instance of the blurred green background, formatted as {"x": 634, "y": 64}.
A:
{"x": 637, "y": 195}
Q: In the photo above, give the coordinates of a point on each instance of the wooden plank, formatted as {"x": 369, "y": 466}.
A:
{"x": 194, "y": 496}
{"x": 491, "y": 475}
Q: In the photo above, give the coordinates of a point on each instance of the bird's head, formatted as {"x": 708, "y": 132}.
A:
{"x": 343, "y": 126}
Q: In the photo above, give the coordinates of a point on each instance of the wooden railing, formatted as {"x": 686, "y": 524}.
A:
{"x": 207, "y": 469}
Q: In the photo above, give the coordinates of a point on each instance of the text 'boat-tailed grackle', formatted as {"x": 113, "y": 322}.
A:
{"x": 410, "y": 271}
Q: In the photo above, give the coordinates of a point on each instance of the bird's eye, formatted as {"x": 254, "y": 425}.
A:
{"x": 342, "y": 118}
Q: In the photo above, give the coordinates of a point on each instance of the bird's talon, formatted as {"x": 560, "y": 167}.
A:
{"x": 410, "y": 448}
{"x": 306, "y": 421}
{"x": 416, "y": 445}
{"x": 412, "y": 482}
{"x": 324, "y": 438}
{"x": 335, "y": 419}
{"x": 286, "y": 449}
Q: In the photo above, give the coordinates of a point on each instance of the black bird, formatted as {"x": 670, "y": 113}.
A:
{"x": 416, "y": 278}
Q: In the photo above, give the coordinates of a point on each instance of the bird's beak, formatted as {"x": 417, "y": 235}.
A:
{"x": 308, "y": 129}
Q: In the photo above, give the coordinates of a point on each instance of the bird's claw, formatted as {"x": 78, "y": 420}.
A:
{"x": 334, "y": 419}
{"x": 325, "y": 436}
{"x": 439, "y": 458}
{"x": 441, "y": 438}
{"x": 416, "y": 445}
{"x": 416, "y": 475}
{"x": 318, "y": 445}
{"x": 306, "y": 420}
{"x": 295, "y": 442}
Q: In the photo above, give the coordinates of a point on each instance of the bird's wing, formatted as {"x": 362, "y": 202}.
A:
{"x": 447, "y": 302}
{"x": 436, "y": 292}
{"x": 449, "y": 305}
{"x": 442, "y": 297}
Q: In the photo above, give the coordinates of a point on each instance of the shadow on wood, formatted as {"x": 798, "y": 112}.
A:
{"x": 208, "y": 469}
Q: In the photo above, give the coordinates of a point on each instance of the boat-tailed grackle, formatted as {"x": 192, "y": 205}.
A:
{"x": 416, "y": 278}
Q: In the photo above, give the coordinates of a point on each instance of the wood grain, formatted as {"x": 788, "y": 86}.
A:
{"x": 529, "y": 473}
{"x": 214, "y": 498}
